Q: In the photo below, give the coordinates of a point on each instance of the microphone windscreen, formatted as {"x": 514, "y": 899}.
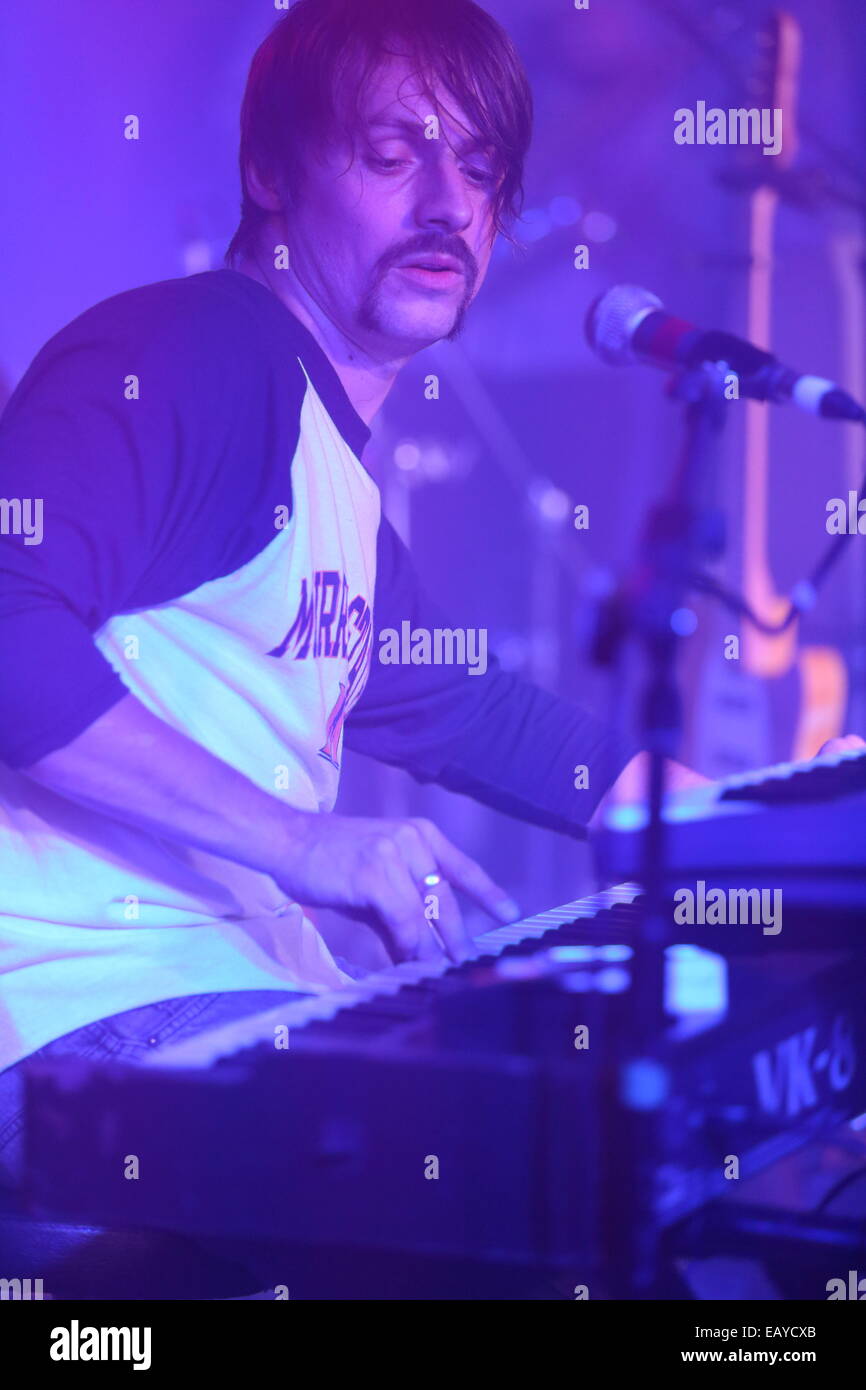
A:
{"x": 612, "y": 319}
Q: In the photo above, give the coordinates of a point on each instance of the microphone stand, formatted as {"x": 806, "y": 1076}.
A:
{"x": 682, "y": 530}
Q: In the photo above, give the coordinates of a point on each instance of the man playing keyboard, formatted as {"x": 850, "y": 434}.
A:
{"x": 192, "y": 645}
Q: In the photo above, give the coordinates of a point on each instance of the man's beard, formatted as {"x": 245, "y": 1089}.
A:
{"x": 373, "y": 313}
{"x": 373, "y": 310}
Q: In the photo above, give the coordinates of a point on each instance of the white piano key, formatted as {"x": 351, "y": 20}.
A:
{"x": 207, "y": 1048}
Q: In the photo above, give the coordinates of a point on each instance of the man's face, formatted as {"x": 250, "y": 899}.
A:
{"x": 393, "y": 242}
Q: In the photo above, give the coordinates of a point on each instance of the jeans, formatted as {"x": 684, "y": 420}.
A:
{"x": 126, "y": 1037}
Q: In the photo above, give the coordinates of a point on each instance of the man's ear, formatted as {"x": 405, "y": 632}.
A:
{"x": 263, "y": 190}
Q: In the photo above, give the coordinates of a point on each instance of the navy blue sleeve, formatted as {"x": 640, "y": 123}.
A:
{"x": 495, "y": 737}
{"x": 147, "y": 488}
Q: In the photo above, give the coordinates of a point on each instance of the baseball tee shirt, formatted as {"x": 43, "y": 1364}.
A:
{"x": 187, "y": 517}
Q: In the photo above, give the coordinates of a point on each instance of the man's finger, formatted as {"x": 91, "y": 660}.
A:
{"x": 437, "y": 904}
{"x": 447, "y": 922}
{"x": 469, "y": 877}
{"x": 398, "y": 903}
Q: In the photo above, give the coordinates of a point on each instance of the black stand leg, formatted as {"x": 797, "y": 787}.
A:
{"x": 683, "y": 531}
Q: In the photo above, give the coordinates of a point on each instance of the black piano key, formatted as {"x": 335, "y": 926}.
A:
{"x": 416, "y": 999}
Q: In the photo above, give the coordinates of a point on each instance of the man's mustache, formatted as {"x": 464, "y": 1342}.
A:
{"x": 441, "y": 246}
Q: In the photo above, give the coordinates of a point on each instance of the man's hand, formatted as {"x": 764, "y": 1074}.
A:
{"x": 845, "y": 743}
{"x": 131, "y": 765}
{"x": 375, "y": 869}
{"x": 632, "y": 783}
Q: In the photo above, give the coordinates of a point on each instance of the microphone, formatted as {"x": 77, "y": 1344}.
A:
{"x": 628, "y": 324}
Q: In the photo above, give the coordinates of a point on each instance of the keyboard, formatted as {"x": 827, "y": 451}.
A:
{"x": 824, "y": 778}
{"x": 312, "y": 1123}
{"x": 403, "y": 992}
{"x": 796, "y": 827}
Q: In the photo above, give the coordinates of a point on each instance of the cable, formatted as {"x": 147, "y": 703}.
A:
{"x": 803, "y": 595}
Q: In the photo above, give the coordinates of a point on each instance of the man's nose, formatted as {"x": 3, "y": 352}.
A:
{"x": 443, "y": 200}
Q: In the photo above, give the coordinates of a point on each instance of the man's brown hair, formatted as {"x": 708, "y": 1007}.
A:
{"x": 308, "y": 77}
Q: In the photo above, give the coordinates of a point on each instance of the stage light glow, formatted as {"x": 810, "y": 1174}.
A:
{"x": 599, "y": 226}
{"x": 407, "y": 455}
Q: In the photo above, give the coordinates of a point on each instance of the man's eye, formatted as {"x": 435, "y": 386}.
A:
{"x": 385, "y": 163}
{"x": 482, "y": 177}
